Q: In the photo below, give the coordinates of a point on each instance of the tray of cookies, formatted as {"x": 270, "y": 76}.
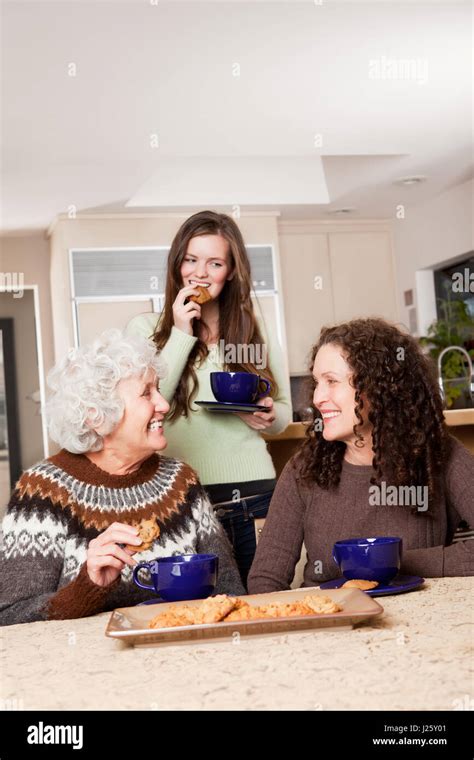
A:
{"x": 221, "y": 616}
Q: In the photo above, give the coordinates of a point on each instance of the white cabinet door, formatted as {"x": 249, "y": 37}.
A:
{"x": 363, "y": 282}
{"x": 96, "y": 316}
{"x": 307, "y": 293}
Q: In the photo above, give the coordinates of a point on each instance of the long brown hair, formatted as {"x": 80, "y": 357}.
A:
{"x": 409, "y": 435}
{"x": 237, "y": 322}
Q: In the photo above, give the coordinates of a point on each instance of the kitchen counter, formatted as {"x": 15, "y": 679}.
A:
{"x": 457, "y": 417}
{"x": 416, "y": 655}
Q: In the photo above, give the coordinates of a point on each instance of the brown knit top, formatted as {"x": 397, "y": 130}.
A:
{"x": 303, "y": 512}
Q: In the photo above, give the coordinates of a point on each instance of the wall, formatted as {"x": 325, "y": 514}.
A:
{"x": 431, "y": 234}
{"x": 31, "y": 255}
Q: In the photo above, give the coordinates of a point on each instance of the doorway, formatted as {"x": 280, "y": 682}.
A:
{"x": 22, "y": 434}
{"x": 10, "y": 456}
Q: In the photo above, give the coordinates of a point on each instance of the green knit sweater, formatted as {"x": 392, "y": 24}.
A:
{"x": 222, "y": 448}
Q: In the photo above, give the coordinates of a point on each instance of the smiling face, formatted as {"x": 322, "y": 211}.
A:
{"x": 140, "y": 431}
{"x": 334, "y": 396}
{"x": 207, "y": 263}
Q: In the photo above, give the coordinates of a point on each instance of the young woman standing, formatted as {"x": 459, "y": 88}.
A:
{"x": 226, "y": 450}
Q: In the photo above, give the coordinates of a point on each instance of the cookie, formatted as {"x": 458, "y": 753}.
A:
{"x": 210, "y": 610}
{"x": 173, "y": 618}
{"x": 148, "y": 531}
{"x": 231, "y": 609}
{"x": 203, "y": 296}
{"x": 363, "y": 585}
{"x": 215, "y": 608}
{"x": 321, "y": 605}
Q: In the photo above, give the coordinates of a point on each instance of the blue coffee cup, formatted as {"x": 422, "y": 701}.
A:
{"x": 370, "y": 559}
{"x": 238, "y": 387}
{"x": 184, "y": 576}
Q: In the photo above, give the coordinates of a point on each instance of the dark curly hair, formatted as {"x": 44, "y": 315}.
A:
{"x": 409, "y": 435}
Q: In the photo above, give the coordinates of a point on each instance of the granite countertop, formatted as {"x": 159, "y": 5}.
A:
{"x": 417, "y": 655}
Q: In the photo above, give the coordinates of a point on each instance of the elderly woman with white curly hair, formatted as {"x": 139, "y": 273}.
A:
{"x": 73, "y": 519}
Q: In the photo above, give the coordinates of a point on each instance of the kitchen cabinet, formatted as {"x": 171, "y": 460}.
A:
{"x": 92, "y": 317}
{"x": 307, "y": 293}
{"x": 332, "y": 274}
{"x": 363, "y": 283}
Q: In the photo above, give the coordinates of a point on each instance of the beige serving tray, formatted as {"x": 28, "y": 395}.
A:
{"x": 130, "y": 624}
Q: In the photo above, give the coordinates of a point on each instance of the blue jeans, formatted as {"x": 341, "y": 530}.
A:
{"x": 237, "y": 520}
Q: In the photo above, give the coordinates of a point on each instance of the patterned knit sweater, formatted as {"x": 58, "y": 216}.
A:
{"x": 60, "y": 504}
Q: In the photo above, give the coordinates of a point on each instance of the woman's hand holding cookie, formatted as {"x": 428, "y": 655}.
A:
{"x": 105, "y": 558}
{"x": 184, "y": 313}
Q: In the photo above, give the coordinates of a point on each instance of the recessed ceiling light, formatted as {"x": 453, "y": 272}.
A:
{"x": 341, "y": 211}
{"x": 414, "y": 180}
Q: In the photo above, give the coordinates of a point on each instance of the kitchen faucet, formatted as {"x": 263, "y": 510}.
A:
{"x": 469, "y": 363}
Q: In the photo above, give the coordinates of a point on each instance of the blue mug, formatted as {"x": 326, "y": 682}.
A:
{"x": 370, "y": 559}
{"x": 184, "y": 576}
{"x": 238, "y": 387}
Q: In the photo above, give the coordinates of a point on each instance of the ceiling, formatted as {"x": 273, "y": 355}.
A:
{"x": 366, "y": 92}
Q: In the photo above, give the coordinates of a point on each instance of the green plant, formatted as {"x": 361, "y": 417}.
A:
{"x": 455, "y": 328}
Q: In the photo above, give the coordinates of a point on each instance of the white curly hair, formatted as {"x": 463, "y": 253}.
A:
{"x": 84, "y": 388}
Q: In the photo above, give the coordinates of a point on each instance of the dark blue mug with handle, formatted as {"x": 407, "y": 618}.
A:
{"x": 239, "y": 387}
{"x": 182, "y": 577}
{"x": 370, "y": 559}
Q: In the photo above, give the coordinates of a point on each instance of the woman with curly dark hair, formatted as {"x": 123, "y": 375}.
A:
{"x": 377, "y": 460}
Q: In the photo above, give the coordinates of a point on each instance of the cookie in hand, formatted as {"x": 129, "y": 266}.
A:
{"x": 203, "y": 296}
{"x": 148, "y": 531}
